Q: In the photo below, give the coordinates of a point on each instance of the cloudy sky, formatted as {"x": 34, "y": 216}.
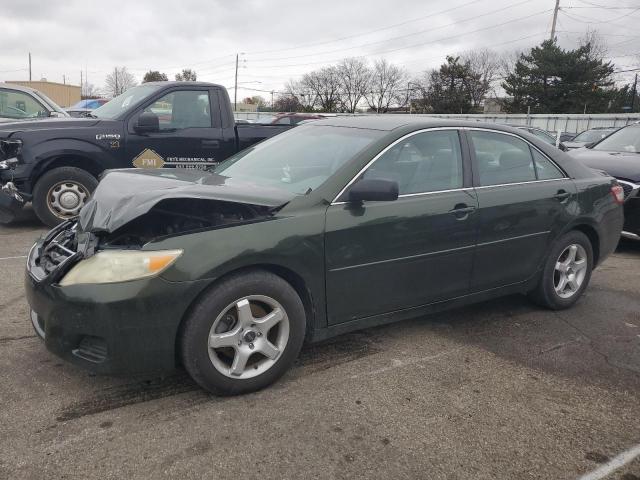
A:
{"x": 282, "y": 39}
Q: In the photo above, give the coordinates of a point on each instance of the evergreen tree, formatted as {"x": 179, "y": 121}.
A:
{"x": 552, "y": 80}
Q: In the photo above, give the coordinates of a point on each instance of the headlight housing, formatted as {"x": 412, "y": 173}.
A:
{"x": 112, "y": 266}
{"x": 10, "y": 148}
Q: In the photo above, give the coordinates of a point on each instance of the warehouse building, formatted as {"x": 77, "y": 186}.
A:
{"x": 63, "y": 94}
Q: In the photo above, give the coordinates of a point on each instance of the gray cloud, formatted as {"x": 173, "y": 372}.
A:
{"x": 206, "y": 34}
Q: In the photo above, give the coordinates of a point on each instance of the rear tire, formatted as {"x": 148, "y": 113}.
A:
{"x": 243, "y": 334}
{"x": 566, "y": 273}
{"x": 60, "y": 194}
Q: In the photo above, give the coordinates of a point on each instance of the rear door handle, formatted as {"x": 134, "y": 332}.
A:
{"x": 562, "y": 195}
{"x": 211, "y": 143}
{"x": 462, "y": 211}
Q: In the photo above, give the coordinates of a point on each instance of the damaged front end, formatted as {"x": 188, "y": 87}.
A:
{"x": 67, "y": 244}
{"x": 179, "y": 216}
{"x": 156, "y": 205}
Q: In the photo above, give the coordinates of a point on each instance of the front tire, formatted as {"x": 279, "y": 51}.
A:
{"x": 243, "y": 334}
{"x": 566, "y": 273}
{"x": 61, "y": 193}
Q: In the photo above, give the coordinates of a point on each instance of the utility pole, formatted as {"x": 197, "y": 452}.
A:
{"x": 29, "y": 66}
{"x": 115, "y": 78}
{"x": 64, "y": 79}
{"x": 235, "y": 88}
{"x": 555, "y": 19}
{"x": 272, "y": 100}
{"x": 633, "y": 94}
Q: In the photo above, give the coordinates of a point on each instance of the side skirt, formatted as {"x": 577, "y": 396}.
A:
{"x": 414, "y": 312}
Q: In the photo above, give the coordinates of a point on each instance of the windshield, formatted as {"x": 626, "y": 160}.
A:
{"x": 589, "y": 136}
{"x": 122, "y": 103}
{"x": 300, "y": 159}
{"x": 624, "y": 140}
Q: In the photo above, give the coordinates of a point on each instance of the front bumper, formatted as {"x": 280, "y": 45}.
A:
{"x": 118, "y": 328}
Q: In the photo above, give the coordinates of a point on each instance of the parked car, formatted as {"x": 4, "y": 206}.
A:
{"x": 619, "y": 155}
{"x": 24, "y": 103}
{"x": 334, "y": 226}
{"x": 56, "y": 163}
{"x": 289, "y": 118}
{"x": 588, "y": 137}
{"x": 541, "y": 134}
{"x": 84, "y": 107}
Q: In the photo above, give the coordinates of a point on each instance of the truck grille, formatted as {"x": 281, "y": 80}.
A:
{"x": 630, "y": 189}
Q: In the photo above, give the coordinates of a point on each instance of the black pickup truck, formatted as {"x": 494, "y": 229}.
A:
{"x": 56, "y": 163}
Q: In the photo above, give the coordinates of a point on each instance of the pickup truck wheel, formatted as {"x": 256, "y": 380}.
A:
{"x": 566, "y": 272}
{"x": 61, "y": 193}
{"x": 243, "y": 334}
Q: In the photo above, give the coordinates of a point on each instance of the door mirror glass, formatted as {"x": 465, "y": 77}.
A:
{"x": 373, "y": 189}
{"x": 148, "y": 122}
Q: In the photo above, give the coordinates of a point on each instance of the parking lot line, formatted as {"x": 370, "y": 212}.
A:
{"x": 613, "y": 464}
{"x": 13, "y": 258}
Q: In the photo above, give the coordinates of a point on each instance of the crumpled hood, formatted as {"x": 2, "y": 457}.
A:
{"x": 51, "y": 123}
{"x": 624, "y": 165}
{"x": 123, "y": 195}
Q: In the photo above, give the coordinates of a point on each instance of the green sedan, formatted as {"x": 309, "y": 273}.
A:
{"x": 338, "y": 225}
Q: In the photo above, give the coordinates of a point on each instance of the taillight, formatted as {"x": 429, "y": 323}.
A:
{"x": 618, "y": 194}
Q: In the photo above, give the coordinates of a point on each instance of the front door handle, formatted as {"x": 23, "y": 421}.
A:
{"x": 461, "y": 211}
{"x": 562, "y": 195}
{"x": 211, "y": 143}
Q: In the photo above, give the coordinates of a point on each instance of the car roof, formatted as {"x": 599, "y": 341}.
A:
{"x": 388, "y": 122}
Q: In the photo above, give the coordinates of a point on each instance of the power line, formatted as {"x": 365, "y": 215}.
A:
{"x": 413, "y": 45}
{"x": 368, "y": 32}
{"x": 429, "y": 30}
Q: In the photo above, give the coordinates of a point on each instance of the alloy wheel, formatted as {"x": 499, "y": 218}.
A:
{"x": 570, "y": 270}
{"x": 248, "y": 337}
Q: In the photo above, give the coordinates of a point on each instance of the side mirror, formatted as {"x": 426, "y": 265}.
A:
{"x": 563, "y": 147}
{"x": 373, "y": 189}
{"x": 590, "y": 144}
{"x": 148, "y": 122}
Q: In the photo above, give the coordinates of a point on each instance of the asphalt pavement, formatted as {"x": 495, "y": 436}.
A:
{"x": 499, "y": 390}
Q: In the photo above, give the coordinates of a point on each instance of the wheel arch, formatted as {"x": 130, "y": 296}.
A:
{"x": 287, "y": 274}
{"x": 592, "y": 234}
{"x": 67, "y": 160}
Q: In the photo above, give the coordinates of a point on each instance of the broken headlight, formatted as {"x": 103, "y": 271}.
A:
{"x": 111, "y": 266}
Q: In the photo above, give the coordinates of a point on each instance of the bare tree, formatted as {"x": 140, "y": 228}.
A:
{"x": 325, "y": 85}
{"x": 354, "y": 75}
{"x": 599, "y": 49}
{"x": 306, "y": 96}
{"x": 187, "y": 75}
{"x": 118, "y": 81}
{"x": 484, "y": 66}
{"x": 387, "y": 85}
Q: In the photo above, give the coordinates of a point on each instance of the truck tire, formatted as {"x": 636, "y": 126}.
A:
{"x": 243, "y": 334}
{"x": 60, "y": 193}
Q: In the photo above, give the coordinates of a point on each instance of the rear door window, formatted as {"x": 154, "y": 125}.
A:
{"x": 501, "y": 159}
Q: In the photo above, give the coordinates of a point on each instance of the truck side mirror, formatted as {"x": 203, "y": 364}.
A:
{"x": 147, "y": 122}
